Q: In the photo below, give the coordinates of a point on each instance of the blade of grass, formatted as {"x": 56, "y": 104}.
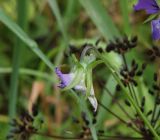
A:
{"x": 125, "y": 17}
{"x": 24, "y": 37}
{"x": 13, "y": 90}
{"x": 55, "y": 9}
{"x": 24, "y": 71}
{"x": 71, "y": 12}
{"x": 99, "y": 16}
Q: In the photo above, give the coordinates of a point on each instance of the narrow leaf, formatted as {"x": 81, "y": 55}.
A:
{"x": 99, "y": 16}
{"x": 24, "y": 37}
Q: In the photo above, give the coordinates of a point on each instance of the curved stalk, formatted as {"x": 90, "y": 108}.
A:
{"x": 115, "y": 75}
{"x": 131, "y": 100}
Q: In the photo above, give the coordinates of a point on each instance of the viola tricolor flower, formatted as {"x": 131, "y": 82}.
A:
{"x": 66, "y": 80}
{"x": 151, "y": 7}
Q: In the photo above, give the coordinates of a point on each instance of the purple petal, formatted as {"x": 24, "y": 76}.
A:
{"x": 150, "y": 6}
{"x": 65, "y": 78}
{"x": 155, "y": 24}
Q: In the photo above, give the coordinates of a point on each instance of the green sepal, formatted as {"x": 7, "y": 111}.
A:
{"x": 89, "y": 76}
{"x": 88, "y": 82}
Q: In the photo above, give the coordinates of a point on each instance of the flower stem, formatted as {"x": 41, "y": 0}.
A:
{"x": 22, "y": 20}
{"x": 115, "y": 75}
{"x": 132, "y": 101}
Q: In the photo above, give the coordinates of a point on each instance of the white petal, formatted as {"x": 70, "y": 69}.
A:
{"x": 93, "y": 99}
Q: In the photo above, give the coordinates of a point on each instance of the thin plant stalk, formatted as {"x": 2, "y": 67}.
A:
{"x": 29, "y": 72}
{"x": 134, "y": 103}
{"x": 115, "y": 75}
{"x": 13, "y": 91}
{"x": 31, "y": 44}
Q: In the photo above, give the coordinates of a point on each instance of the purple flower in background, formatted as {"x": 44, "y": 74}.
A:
{"x": 155, "y": 24}
{"x": 151, "y": 7}
{"x": 66, "y": 80}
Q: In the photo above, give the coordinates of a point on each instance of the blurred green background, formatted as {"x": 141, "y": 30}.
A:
{"x": 54, "y": 26}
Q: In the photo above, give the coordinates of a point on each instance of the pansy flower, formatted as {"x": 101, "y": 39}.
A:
{"x": 151, "y": 7}
{"x": 67, "y": 79}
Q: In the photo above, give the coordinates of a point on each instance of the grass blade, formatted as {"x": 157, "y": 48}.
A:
{"x": 102, "y": 20}
{"x": 28, "y": 72}
{"x": 125, "y": 17}
{"x": 55, "y": 9}
{"x": 13, "y": 90}
{"x": 24, "y": 37}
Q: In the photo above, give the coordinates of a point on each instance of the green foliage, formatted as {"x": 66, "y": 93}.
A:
{"x": 42, "y": 34}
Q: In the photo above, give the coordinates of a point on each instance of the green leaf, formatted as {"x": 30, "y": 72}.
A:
{"x": 24, "y": 37}
{"x": 99, "y": 16}
{"x": 106, "y": 99}
{"x": 89, "y": 80}
{"x": 125, "y": 17}
{"x": 151, "y": 17}
{"x": 55, "y": 9}
{"x": 16, "y": 59}
{"x": 28, "y": 72}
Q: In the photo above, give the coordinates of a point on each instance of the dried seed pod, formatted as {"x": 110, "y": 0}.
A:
{"x": 139, "y": 73}
{"x": 132, "y": 73}
{"x": 134, "y": 39}
{"x": 127, "y": 103}
{"x": 122, "y": 45}
{"x": 133, "y": 62}
{"x": 143, "y": 101}
{"x": 134, "y": 82}
{"x": 84, "y": 117}
{"x": 100, "y": 50}
{"x": 156, "y": 87}
{"x": 155, "y": 77}
{"x": 100, "y": 131}
{"x": 94, "y": 121}
{"x": 151, "y": 92}
{"x": 110, "y": 47}
{"x": 149, "y": 113}
{"x": 144, "y": 65}
{"x": 118, "y": 87}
